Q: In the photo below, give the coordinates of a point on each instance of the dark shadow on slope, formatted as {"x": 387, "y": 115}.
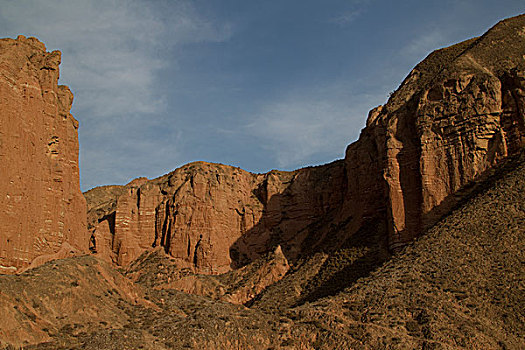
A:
{"x": 367, "y": 249}
{"x": 453, "y": 201}
{"x": 309, "y": 217}
{"x": 362, "y": 253}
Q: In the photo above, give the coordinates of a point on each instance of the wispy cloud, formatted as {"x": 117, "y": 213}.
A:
{"x": 357, "y": 8}
{"x": 308, "y": 128}
{"x": 113, "y": 55}
{"x": 426, "y": 42}
{"x": 346, "y": 18}
{"x": 102, "y": 50}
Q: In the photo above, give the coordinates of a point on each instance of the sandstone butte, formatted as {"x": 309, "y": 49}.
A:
{"x": 42, "y": 210}
{"x": 456, "y": 117}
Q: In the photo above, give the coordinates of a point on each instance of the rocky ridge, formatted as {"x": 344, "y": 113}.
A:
{"x": 456, "y": 115}
{"x": 211, "y": 217}
{"x": 457, "y": 287}
{"x": 460, "y": 286}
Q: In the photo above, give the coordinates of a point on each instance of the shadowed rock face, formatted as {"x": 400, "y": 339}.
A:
{"x": 460, "y": 286}
{"x": 41, "y": 205}
{"x": 457, "y": 115}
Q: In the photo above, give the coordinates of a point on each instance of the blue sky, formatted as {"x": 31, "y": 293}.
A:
{"x": 257, "y": 84}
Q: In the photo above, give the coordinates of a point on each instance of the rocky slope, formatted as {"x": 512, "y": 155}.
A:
{"x": 156, "y": 270}
{"x": 458, "y": 287}
{"x": 456, "y": 116}
{"x": 40, "y": 200}
{"x": 63, "y": 296}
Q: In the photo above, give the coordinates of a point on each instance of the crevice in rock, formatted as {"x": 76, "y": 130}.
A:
{"x": 196, "y": 252}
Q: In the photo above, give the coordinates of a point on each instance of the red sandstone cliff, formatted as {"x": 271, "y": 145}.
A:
{"x": 41, "y": 205}
{"x": 456, "y": 116}
{"x": 213, "y": 217}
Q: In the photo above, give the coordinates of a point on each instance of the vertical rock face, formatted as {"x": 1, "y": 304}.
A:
{"x": 213, "y": 217}
{"x": 457, "y": 115}
{"x": 41, "y": 205}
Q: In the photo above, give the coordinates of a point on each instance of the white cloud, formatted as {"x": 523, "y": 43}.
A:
{"x": 303, "y": 128}
{"x": 424, "y": 43}
{"x": 112, "y": 50}
{"x": 346, "y": 18}
{"x": 103, "y": 50}
{"x": 113, "y": 53}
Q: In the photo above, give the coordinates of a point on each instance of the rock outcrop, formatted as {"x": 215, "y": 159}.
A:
{"x": 306, "y": 251}
{"x": 41, "y": 205}
{"x": 460, "y": 286}
{"x": 213, "y": 217}
{"x": 457, "y": 115}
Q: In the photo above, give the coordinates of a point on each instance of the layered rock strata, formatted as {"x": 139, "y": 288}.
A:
{"x": 460, "y": 286}
{"x": 41, "y": 205}
{"x": 457, "y": 116}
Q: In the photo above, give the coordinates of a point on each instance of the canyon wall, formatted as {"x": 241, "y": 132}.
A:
{"x": 457, "y": 116}
{"x": 41, "y": 205}
{"x": 212, "y": 217}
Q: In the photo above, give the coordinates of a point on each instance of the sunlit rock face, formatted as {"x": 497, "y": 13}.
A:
{"x": 457, "y": 115}
{"x": 213, "y": 217}
{"x": 41, "y": 205}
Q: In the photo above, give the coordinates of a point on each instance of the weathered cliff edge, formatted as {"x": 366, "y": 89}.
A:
{"x": 41, "y": 205}
{"x": 457, "y": 115}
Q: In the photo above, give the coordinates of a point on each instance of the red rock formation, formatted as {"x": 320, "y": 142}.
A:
{"x": 457, "y": 115}
{"x": 155, "y": 269}
{"x": 214, "y": 217}
{"x": 41, "y": 206}
{"x": 252, "y": 280}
